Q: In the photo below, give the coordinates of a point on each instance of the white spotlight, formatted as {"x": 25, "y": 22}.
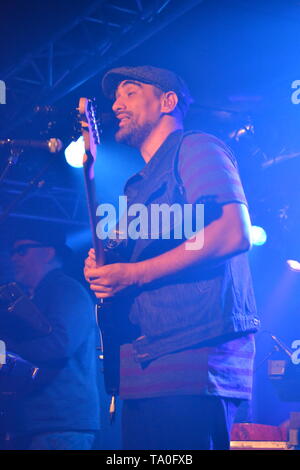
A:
{"x": 293, "y": 265}
{"x": 258, "y": 235}
{"x": 74, "y": 153}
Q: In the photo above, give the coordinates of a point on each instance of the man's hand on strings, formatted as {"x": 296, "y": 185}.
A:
{"x": 108, "y": 280}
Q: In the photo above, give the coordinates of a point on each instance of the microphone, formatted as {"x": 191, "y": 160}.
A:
{"x": 281, "y": 345}
{"x": 52, "y": 145}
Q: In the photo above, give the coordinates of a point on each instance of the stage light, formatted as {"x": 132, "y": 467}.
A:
{"x": 79, "y": 239}
{"x": 74, "y": 153}
{"x": 258, "y": 235}
{"x": 293, "y": 265}
{"x": 247, "y": 130}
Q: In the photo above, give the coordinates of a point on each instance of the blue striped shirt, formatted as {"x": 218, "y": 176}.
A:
{"x": 207, "y": 168}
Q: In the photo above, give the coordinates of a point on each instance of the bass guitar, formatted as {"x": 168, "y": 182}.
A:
{"x": 107, "y": 309}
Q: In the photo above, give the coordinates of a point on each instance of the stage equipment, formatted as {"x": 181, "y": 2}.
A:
{"x": 258, "y": 235}
{"x": 279, "y": 159}
{"x": 52, "y": 145}
{"x": 59, "y": 66}
{"x": 20, "y": 319}
{"x": 244, "y": 131}
{"x": 294, "y": 265}
{"x": 285, "y": 377}
{"x": 110, "y": 342}
{"x": 74, "y": 153}
{"x": 35, "y": 183}
{"x": 17, "y": 376}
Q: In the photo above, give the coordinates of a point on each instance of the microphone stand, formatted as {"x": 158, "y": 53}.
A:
{"x": 277, "y": 346}
{"x": 35, "y": 182}
{"x": 12, "y": 160}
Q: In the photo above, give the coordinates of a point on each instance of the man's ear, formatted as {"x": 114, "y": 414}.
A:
{"x": 169, "y": 102}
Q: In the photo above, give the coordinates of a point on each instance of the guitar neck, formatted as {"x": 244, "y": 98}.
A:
{"x": 92, "y": 206}
{"x": 90, "y": 134}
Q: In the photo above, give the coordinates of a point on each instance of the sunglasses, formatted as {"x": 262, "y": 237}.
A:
{"x": 23, "y": 249}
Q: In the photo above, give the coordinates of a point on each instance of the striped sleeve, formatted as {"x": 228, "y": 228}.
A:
{"x": 207, "y": 168}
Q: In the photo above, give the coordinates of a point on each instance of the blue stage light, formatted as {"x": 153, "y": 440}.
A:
{"x": 258, "y": 235}
{"x": 293, "y": 265}
{"x": 74, "y": 153}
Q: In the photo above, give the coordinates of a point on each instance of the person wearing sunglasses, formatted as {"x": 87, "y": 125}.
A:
{"x": 62, "y": 410}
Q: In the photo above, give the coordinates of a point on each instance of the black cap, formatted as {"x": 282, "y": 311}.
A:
{"x": 164, "y": 79}
{"x": 46, "y": 234}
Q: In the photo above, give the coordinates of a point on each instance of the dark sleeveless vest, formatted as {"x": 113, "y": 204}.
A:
{"x": 194, "y": 306}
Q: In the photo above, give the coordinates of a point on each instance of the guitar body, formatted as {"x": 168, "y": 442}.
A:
{"x": 115, "y": 330}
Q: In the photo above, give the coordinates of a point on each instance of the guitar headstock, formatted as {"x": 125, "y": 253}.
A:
{"x": 89, "y": 129}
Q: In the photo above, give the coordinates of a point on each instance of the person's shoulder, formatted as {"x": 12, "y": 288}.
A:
{"x": 199, "y": 138}
{"x": 201, "y": 145}
{"x": 58, "y": 276}
{"x": 62, "y": 284}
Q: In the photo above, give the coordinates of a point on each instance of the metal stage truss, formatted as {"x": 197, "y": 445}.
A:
{"x": 93, "y": 41}
{"x": 51, "y": 204}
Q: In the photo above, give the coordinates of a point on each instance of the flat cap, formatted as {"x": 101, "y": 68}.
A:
{"x": 164, "y": 79}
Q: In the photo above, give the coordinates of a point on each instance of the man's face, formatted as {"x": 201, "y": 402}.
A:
{"x": 29, "y": 259}
{"x": 138, "y": 107}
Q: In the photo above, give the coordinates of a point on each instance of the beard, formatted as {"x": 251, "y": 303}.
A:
{"x": 133, "y": 134}
{"x": 21, "y": 276}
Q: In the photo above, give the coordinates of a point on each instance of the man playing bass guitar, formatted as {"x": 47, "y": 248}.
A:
{"x": 186, "y": 372}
